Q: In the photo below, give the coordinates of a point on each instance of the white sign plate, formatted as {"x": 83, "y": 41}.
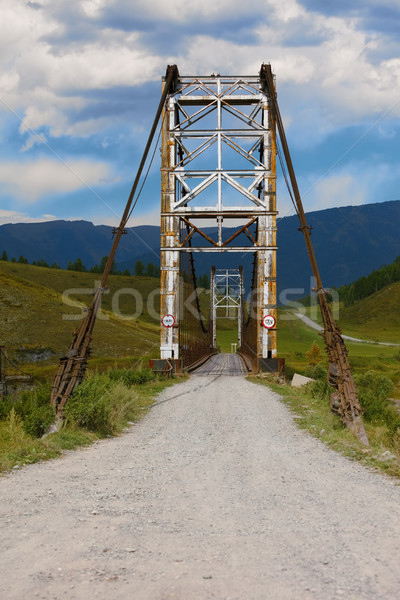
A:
{"x": 168, "y": 321}
{"x": 269, "y": 321}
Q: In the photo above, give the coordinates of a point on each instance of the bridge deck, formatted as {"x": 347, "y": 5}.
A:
{"x": 222, "y": 364}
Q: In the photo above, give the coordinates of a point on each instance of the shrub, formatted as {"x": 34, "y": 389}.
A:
{"x": 314, "y": 355}
{"x": 131, "y": 377}
{"x": 321, "y": 390}
{"x": 14, "y": 428}
{"x": 88, "y": 406}
{"x": 316, "y": 372}
{"x": 102, "y": 405}
{"x": 38, "y": 420}
{"x": 33, "y": 407}
{"x": 373, "y": 394}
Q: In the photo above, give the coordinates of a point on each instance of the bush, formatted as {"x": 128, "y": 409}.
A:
{"x": 316, "y": 372}
{"x": 34, "y": 409}
{"x": 38, "y": 420}
{"x": 6, "y": 404}
{"x": 102, "y": 405}
{"x": 373, "y": 394}
{"x": 131, "y": 377}
{"x": 321, "y": 390}
{"x": 88, "y": 406}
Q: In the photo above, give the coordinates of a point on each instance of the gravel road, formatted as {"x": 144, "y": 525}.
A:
{"x": 215, "y": 494}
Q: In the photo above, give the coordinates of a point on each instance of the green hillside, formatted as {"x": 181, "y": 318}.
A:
{"x": 366, "y": 286}
{"x": 33, "y": 313}
{"x": 376, "y": 317}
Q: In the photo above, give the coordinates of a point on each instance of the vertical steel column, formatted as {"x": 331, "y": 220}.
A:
{"x": 240, "y": 312}
{"x": 213, "y": 309}
{"x": 266, "y": 263}
{"x": 169, "y": 259}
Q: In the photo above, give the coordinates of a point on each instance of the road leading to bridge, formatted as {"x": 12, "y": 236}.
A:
{"x": 214, "y": 495}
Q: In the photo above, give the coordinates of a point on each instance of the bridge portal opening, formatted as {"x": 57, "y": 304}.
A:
{"x": 226, "y": 296}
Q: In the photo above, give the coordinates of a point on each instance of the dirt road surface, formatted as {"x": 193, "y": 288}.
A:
{"x": 214, "y": 495}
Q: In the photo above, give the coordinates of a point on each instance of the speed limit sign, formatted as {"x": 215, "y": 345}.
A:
{"x": 168, "y": 321}
{"x": 269, "y": 321}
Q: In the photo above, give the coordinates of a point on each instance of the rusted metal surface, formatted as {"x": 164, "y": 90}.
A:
{"x": 344, "y": 401}
{"x": 72, "y": 367}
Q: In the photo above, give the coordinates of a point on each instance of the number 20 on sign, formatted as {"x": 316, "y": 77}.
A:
{"x": 269, "y": 321}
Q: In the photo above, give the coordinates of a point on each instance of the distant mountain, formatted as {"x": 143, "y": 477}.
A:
{"x": 62, "y": 241}
{"x": 349, "y": 242}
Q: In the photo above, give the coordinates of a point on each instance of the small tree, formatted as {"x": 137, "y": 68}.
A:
{"x": 4, "y": 256}
{"x": 314, "y": 356}
{"x": 150, "y": 270}
{"x": 22, "y": 260}
{"x": 79, "y": 266}
{"x": 103, "y": 263}
{"x": 139, "y": 268}
{"x": 41, "y": 263}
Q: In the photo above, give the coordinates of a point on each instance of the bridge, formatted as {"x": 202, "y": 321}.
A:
{"x": 218, "y": 168}
{"x": 220, "y": 137}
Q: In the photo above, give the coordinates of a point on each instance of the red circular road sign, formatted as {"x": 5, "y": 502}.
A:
{"x": 269, "y": 322}
{"x": 168, "y": 320}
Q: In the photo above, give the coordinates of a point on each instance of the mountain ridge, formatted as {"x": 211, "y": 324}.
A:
{"x": 349, "y": 242}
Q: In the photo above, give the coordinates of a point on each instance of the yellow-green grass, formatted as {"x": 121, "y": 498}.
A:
{"x": 33, "y": 313}
{"x": 295, "y": 339}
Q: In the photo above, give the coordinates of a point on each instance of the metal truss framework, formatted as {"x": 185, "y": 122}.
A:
{"x": 226, "y": 298}
{"x": 218, "y": 164}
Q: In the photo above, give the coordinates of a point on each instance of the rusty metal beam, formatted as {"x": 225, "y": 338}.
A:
{"x": 345, "y": 402}
{"x": 72, "y": 367}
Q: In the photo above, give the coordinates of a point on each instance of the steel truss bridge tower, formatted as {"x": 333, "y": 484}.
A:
{"x": 219, "y": 168}
{"x": 226, "y": 289}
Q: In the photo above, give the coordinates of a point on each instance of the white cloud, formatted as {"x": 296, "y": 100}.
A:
{"x": 32, "y": 140}
{"x": 13, "y": 216}
{"x": 336, "y": 190}
{"x": 148, "y": 218}
{"x": 31, "y": 180}
{"x": 327, "y": 61}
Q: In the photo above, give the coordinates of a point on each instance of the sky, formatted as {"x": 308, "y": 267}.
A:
{"x": 80, "y": 82}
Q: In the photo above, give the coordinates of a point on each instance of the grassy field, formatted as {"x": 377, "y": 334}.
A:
{"x": 34, "y": 314}
{"x": 295, "y": 339}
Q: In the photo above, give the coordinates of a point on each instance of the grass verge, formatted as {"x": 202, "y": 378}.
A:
{"x": 104, "y": 405}
{"x": 312, "y": 413}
